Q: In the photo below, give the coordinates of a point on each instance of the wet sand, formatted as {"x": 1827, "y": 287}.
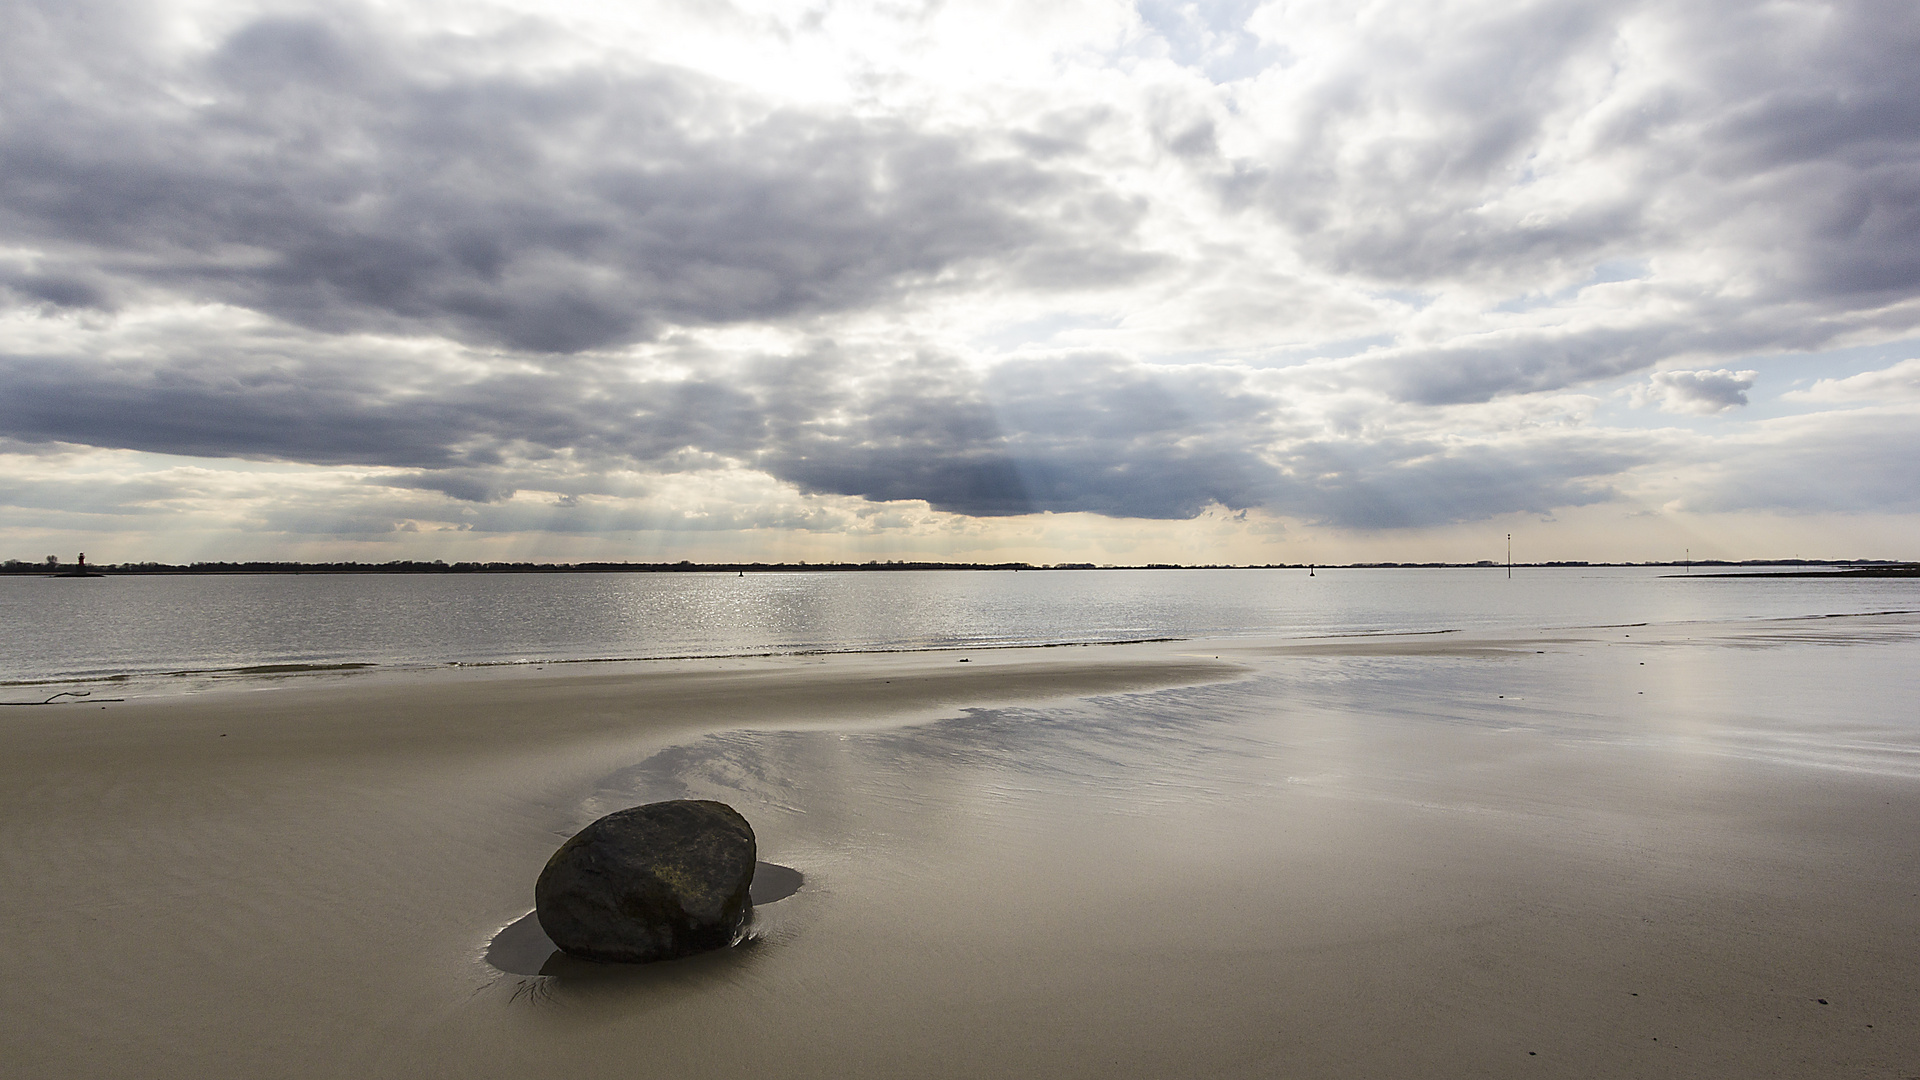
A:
{"x": 1648, "y": 851}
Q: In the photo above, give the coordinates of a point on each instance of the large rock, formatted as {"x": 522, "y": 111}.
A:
{"x": 655, "y": 882}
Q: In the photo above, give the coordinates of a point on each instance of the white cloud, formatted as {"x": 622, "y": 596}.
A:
{"x": 1901, "y": 382}
{"x": 1701, "y": 393}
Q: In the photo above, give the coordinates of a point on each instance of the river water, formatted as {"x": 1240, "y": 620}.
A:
{"x": 61, "y": 630}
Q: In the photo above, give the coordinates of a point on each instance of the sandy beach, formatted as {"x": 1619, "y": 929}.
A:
{"x": 1687, "y": 850}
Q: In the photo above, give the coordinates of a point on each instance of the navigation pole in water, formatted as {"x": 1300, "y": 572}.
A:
{"x": 1509, "y": 556}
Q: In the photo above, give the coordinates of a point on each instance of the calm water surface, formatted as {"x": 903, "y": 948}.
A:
{"x": 57, "y": 630}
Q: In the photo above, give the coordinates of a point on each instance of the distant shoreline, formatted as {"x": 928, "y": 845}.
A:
{"x": 1849, "y": 567}
{"x": 1896, "y": 570}
{"x": 1835, "y": 567}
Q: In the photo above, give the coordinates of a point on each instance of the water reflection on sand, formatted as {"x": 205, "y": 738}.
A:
{"x": 1368, "y": 858}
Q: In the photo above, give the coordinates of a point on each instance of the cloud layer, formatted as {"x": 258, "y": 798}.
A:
{"x": 314, "y": 170}
{"x": 1369, "y": 269}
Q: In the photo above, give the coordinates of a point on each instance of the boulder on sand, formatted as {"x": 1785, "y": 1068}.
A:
{"x": 656, "y": 882}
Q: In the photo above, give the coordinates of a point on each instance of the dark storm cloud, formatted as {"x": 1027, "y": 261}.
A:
{"x": 58, "y": 287}
{"x": 270, "y": 404}
{"x": 212, "y": 412}
{"x": 467, "y": 485}
{"x": 915, "y": 427}
{"x": 1099, "y": 434}
{"x": 1073, "y": 433}
{"x": 325, "y": 174}
{"x": 1082, "y": 433}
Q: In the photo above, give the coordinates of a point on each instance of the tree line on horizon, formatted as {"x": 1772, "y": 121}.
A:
{"x": 52, "y": 563}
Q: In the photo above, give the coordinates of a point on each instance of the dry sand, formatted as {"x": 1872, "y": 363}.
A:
{"x": 1572, "y": 854}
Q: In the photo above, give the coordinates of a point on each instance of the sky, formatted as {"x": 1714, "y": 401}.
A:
{"x": 1086, "y": 281}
